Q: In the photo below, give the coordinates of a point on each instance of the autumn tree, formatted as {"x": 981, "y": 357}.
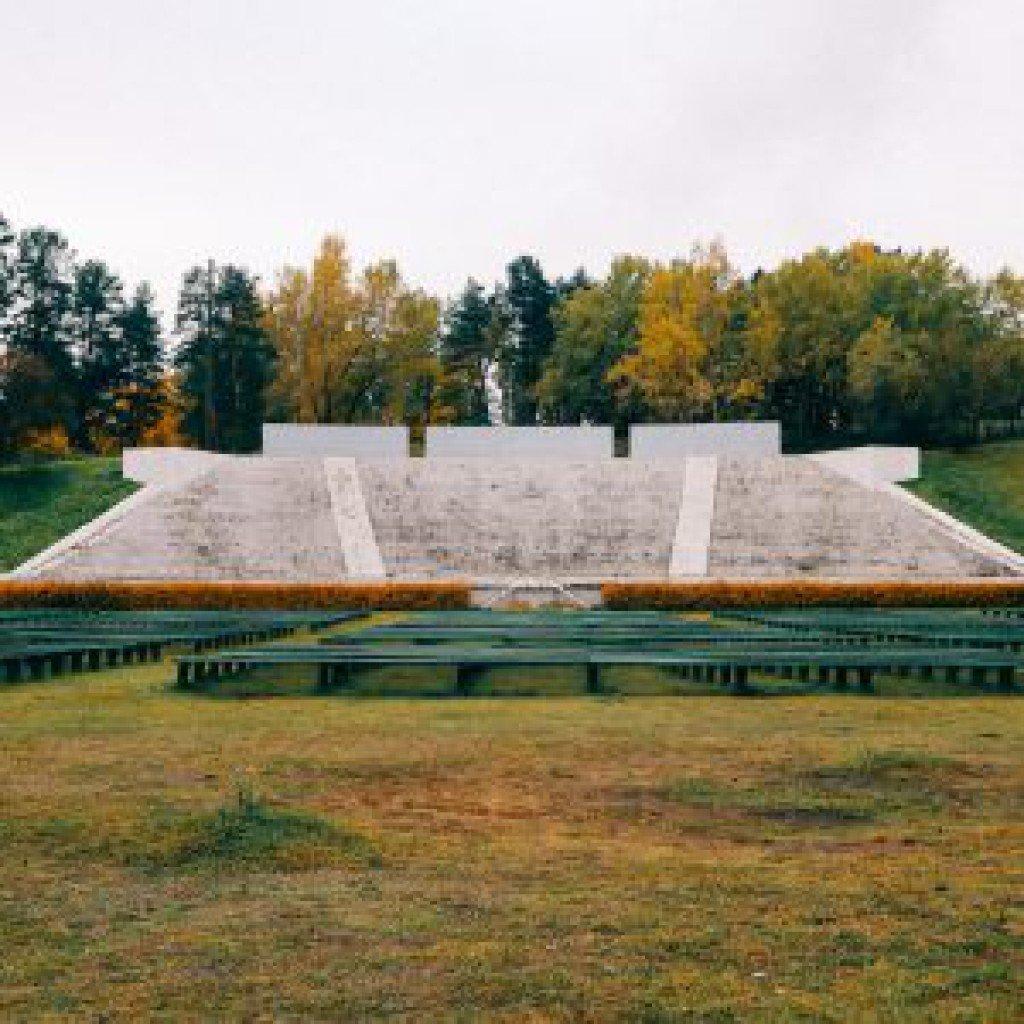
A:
{"x": 312, "y": 322}
{"x": 688, "y": 351}
{"x": 352, "y": 349}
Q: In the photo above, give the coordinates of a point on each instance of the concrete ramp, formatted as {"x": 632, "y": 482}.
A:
{"x": 791, "y": 517}
{"x": 244, "y": 519}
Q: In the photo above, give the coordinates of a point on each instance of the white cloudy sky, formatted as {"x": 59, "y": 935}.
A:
{"x": 454, "y": 134}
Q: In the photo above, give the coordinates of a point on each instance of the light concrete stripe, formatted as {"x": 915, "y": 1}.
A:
{"x": 691, "y": 549}
{"x": 355, "y": 532}
{"x": 86, "y": 534}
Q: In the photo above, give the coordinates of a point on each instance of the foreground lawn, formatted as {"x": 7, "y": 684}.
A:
{"x": 983, "y": 486}
{"x": 559, "y": 859}
{"x": 41, "y": 503}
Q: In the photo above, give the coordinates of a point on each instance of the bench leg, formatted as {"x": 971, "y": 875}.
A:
{"x": 841, "y": 678}
{"x": 331, "y": 678}
{"x": 593, "y": 673}
{"x": 1004, "y": 679}
{"x": 465, "y": 679}
{"x": 865, "y": 680}
{"x": 740, "y": 679}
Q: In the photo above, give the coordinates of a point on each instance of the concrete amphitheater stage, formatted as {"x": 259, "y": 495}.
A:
{"x": 518, "y": 524}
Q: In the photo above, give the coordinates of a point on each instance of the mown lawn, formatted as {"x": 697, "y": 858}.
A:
{"x": 647, "y": 859}
{"x": 983, "y": 486}
{"x": 41, "y": 503}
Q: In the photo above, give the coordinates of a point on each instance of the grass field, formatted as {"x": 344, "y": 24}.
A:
{"x": 983, "y": 486}
{"x": 644, "y": 859}
{"x": 41, "y": 503}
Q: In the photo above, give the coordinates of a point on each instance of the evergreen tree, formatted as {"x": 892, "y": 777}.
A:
{"x": 466, "y": 353}
{"x": 7, "y": 258}
{"x": 97, "y": 307}
{"x": 40, "y": 320}
{"x": 224, "y": 360}
{"x": 142, "y": 392}
{"x": 528, "y": 298}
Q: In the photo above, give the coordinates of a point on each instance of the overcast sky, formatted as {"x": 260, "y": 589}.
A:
{"x": 455, "y": 134}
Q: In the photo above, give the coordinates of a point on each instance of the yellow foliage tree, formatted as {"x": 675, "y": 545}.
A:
{"x": 351, "y": 350}
{"x": 682, "y": 362}
{"x": 312, "y": 322}
{"x": 167, "y": 431}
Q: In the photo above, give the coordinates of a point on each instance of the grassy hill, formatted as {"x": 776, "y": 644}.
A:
{"x": 983, "y": 486}
{"x": 40, "y": 503}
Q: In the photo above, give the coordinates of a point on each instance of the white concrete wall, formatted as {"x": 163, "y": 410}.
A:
{"x": 166, "y": 466}
{"x": 681, "y": 440}
{"x": 335, "y": 440}
{"x": 873, "y": 464}
{"x": 528, "y": 443}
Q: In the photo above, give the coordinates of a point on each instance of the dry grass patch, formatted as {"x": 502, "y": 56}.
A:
{"x": 556, "y": 859}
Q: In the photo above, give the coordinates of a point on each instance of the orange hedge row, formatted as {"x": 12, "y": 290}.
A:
{"x": 109, "y": 595}
{"x": 797, "y": 594}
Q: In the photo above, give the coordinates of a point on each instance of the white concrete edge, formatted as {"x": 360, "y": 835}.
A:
{"x": 952, "y": 527}
{"x": 691, "y": 547}
{"x": 355, "y": 531}
{"x": 85, "y": 533}
{"x": 956, "y": 528}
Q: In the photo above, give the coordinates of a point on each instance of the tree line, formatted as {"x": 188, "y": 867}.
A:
{"x": 853, "y": 344}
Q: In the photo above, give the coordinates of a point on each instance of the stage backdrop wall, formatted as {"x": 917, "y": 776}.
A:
{"x": 527, "y": 443}
{"x": 320, "y": 440}
{"x": 679, "y": 440}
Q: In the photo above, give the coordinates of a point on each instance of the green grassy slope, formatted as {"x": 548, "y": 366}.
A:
{"x": 983, "y": 486}
{"x": 39, "y": 504}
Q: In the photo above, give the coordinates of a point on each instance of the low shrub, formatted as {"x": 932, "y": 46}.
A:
{"x": 721, "y": 594}
{"x": 103, "y": 595}
{"x": 249, "y": 831}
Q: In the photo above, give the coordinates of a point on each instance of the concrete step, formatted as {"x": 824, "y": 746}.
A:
{"x": 790, "y": 517}
{"x": 516, "y": 518}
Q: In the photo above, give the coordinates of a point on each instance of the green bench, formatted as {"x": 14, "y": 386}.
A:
{"x": 731, "y": 668}
{"x": 40, "y": 644}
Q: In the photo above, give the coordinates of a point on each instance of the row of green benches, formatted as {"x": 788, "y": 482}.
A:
{"x": 675, "y": 634}
{"x": 730, "y": 667}
{"x": 36, "y": 645}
